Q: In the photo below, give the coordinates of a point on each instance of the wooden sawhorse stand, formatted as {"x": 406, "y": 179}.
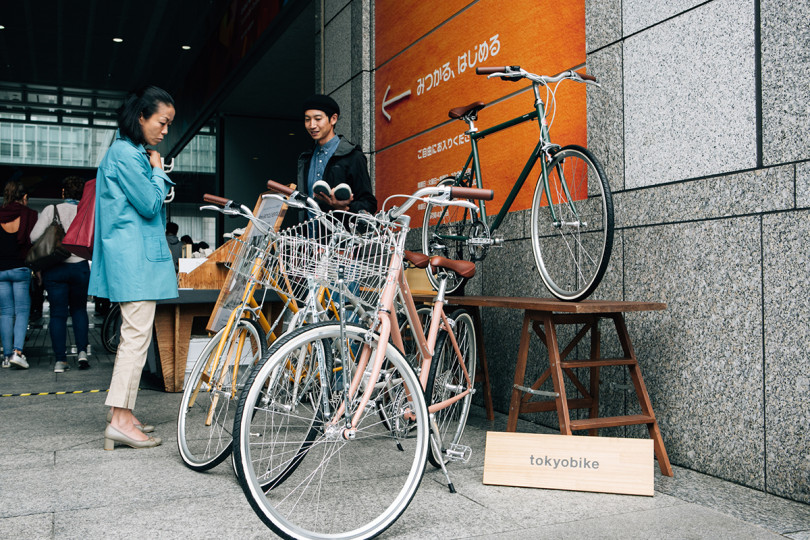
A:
{"x": 543, "y": 316}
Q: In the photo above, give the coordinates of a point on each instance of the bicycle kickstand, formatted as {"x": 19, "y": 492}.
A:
{"x": 437, "y": 451}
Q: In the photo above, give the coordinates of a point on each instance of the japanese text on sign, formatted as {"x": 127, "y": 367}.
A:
{"x": 447, "y": 144}
{"x": 467, "y": 59}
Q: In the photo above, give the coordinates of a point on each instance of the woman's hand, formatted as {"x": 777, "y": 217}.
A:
{"x": 154, "y": 159}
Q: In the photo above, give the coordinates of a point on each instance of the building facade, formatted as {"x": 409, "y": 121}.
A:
{"x": 702, "y": 124}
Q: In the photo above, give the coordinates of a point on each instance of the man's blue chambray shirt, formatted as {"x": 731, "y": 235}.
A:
{"x": 317, "y": 164}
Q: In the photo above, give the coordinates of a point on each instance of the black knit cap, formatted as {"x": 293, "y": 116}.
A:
{"x": 323, "y": 103}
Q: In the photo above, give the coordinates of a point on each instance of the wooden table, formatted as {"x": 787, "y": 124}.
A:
{"x": 173, "y": 321}
{"x": 543, "y": 316}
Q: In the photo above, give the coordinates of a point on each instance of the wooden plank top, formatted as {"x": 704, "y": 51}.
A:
{"x": 547, "y": 304}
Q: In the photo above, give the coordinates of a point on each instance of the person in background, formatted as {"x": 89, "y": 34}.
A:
{"x": 66, "y": 283}
{"x": 201, "y": 248}
{"x": 37, "y": 298}
{"x": 334, "y": 160}
{"x": 187, "y": 241}
{"x": 16, "y": 223}
{"x": 175, "y": 246}
{"x": 132, "y": 264}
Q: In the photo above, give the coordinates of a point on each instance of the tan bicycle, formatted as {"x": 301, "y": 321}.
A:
{"x": 341, "y": 454}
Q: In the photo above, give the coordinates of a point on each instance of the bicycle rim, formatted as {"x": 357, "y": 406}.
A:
{"x": 205, "y": 419}
{"x": 289, "y": 412}
{"x": 572, "y": 251}
{"x": 447, "y": 380}
{"x": 111, "y": 329}
{"x": 339, "y": 488}
{"x": 445, "y": 231}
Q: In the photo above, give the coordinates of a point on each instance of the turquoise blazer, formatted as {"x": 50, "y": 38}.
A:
{"x": 131, "y": 258}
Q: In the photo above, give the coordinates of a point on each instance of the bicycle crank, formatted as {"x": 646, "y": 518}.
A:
{"x": 480, "y": 240}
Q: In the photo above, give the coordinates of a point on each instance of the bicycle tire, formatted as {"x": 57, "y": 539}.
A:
{"x": 445, "y": 232}
{"x": 446, "y": 378}
{"x": 572, "y": 253}
{"x": 344, "y": 488}
{"x": 111, "y": 329}
{"x": 202, "y": 446}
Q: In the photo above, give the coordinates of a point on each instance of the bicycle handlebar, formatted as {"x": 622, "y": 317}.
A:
{"x": 491, "y": 70}
{"x": 515, "y": 73}
{"x": 222, "y": 201}
{"x": 293, "y": 195}
{"x": 471, "y": 193}
{"x": 280, "y": 188}
{"x": 441, "y": 195}
{"x": 233, "y": 208}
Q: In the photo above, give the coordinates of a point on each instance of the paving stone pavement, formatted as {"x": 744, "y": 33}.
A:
{"x": 56, "y": 481}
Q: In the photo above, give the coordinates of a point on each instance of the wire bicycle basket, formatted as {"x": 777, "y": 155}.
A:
{"x": 252, "y": 258}
{"x": 358, "y": 245}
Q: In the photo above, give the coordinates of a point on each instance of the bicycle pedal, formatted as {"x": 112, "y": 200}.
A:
{"x": 497, "y": 240}
{"x": 459, "y": 452}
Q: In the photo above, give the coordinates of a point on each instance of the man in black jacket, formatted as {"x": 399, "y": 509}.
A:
{"x": 334, "y": 160}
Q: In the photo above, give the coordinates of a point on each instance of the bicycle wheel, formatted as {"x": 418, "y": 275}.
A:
{"x": 207, "y": 408}
{"x": 446, "y": 380}
{"x": 445, "y": 231}
{"x": 333, "y": 486}
{"x": 111, "y": 329}
{"x": 294, "y": 386}
{"x": 573, "y": 250}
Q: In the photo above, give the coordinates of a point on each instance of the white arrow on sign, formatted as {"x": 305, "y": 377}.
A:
{"x": 394, "y": 99}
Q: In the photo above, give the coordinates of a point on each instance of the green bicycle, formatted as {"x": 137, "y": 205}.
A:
{"x": 572, "y": 208}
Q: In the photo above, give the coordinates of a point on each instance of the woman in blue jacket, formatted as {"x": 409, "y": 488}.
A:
{"x": 132, "y": 264}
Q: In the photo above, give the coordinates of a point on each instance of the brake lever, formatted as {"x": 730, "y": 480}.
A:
{"x": 465, "y": 204}
{"x": 221, "y": 209}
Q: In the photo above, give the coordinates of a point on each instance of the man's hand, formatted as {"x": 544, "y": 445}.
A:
{"x": 336, "y": 204}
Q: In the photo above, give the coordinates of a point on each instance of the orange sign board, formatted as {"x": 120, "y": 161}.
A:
{"x": 415, "y": 89}
{"x": 426, "y": 159}
{"x": 392, "y": 34}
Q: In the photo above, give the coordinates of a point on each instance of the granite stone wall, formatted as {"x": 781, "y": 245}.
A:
{"x": 703, "y": 127}
{"x": 348, "y": 53}
{"x": 704, "y": 122}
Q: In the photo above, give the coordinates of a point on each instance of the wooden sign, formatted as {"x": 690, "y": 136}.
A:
{"x": 576, "y": 463}
{"x": 270, "y": 210}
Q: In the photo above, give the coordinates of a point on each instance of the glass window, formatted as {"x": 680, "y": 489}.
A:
{"x": 84, "y": 144}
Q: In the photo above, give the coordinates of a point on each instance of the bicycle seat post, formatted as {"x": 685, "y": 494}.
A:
{"x": 442, "y": 286}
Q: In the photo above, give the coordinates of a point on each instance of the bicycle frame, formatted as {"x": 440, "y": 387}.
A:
{"x": 543, "y": 145}
{"x": 388, "y": 328}
{"x": 426, "y": 342}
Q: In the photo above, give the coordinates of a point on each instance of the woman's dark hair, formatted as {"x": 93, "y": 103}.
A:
{"x": 13, "y": 192}
{"x": 74, "y": 186}
{"x": 143, "y": 102}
